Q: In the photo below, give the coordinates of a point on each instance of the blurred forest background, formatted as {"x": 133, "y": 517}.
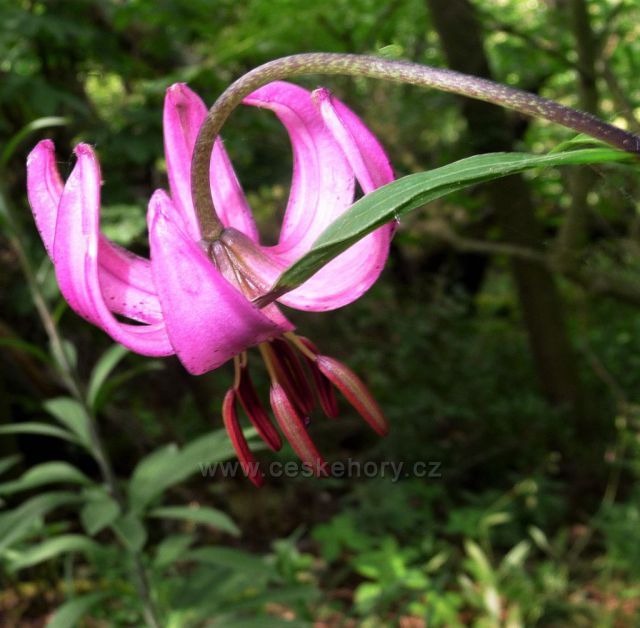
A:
{"x": 517, "y": 376}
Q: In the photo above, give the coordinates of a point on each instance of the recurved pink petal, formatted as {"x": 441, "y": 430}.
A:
{"x": 327, "y": 148}
{"x": 208, "y": 320}
{"x": 360, "y": 146}
{"x": 125, "y": 278}
{"x": 75, "y": 259}
{"x": 44, "y": 190}
{"x": 322, "y": 185}
{"x": 184, "y": 113}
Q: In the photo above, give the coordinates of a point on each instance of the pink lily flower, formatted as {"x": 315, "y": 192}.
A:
{"x": 194, "y": 298}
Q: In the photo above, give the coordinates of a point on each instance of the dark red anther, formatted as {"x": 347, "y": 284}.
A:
{"x": 256, "y": 412}
{"x": 326, "y": 394}
{"x": 249, "y": 464}
{"x": 357, "y": 394}
{"x": 295, "y": 430}
{"x": 291, "y": 376}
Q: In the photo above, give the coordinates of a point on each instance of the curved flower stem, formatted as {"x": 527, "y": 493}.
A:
{"x": 376, "y": 67}
{"x": 74, "y": 386}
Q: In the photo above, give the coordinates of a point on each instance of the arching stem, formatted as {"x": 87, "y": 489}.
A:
{"x": 375, "y": 67}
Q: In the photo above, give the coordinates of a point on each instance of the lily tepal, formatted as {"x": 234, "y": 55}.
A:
{"x": 194, "y": 296}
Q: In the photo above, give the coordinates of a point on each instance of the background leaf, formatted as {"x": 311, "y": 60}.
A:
{"x": 101, "y": 371}
{"x": 46, "y": 473}
{"x": 171, "y": 465}
{"x": 68, "y": 615}
{"x": 100, "y": 511}
{"x": 198, "y": 514}
{"x": 53, "y": 547}
{"x": 72, "y": 415}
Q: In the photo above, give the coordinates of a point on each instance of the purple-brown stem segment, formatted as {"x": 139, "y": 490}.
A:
{"x": 375, "y": 67}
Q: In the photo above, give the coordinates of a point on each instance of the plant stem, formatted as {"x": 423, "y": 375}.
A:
{"x": 74, "y": 386}
{"x": 376, "y": 67}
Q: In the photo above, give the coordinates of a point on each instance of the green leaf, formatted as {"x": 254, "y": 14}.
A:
{"x": 231, "y": 558}
{"x": 480, "y": 560}
{"x": 27, "y": 347}
{"x": 153, "y": 474}
{"x": 171, "y": 549}
{"x": 116, "y": 381}
{"x": 131, "y": 531}
{"x": 540, "y": 539}
{"x": 72, "y": 415}
{"x": 100, "y": 511}
{"x": 101, "y": 371}
{"x": 24, "y": 132}
{"x": 413, "y": 191}
{"x": 19, "y": 522}
{"x": 170, "y": 465}
{"x": 264, "y": 622}
{"x": 38, "y": 428}
{"x": 75, "y": 609}
{"x": 198, "y": 514}
{"x": 7, "y": 462}
{"x": 51, "y": 548}
{"x": 46, "y": 473}
{"x": 516, "y": 556}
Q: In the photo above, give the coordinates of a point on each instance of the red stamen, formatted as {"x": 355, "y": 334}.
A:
{"x": 357, "y": 394}
{"x": 249, "y": 464}
{"x": 291, "y": 376}
{"x": 298, "y": 372}
{"x": 256, "y": 412}
{"x": 326, "y": 395}
{"x": 295, "y": 431}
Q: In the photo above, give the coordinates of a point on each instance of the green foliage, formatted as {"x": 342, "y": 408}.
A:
{"x": 403, "y": 195}
{"x": 200, "y": 515}
{"x": 75, "y": 609}
{"x": 530, "y": 522}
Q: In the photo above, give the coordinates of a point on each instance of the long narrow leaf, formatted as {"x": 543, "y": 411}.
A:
{"x": 40, "y": 123}
{"x": 413, "y": 191}
{"x": 105, "y": 365}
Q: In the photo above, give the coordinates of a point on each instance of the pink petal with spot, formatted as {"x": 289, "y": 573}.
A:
{"x": 75, "y": 259}
{"x": 125, "y": 278}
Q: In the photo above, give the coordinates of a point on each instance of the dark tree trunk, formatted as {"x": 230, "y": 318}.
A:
{"x": 573, "y": 233}
{"x": 489, "y": 130}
